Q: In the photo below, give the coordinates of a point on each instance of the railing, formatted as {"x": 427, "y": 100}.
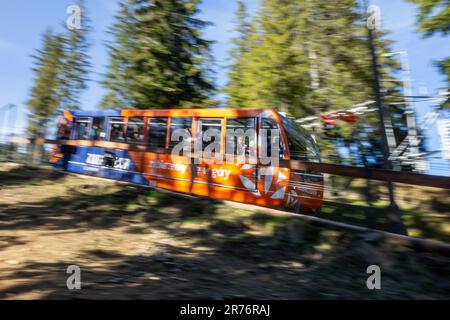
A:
{"x": 332, "y": 169}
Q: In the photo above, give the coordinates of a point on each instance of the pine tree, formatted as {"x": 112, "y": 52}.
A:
{"x": 434, "y": 18}
{"x": 334, "y": 38}
{"x": 307, "y": 57}
{"x": 61, "y": 69}
{"x": 76, "y": 65}
{"x": 121, "y": 50}
{"x": 275, "y": 74}
{"x": 158, "y": 58}
{"x": 304, "y": 57}
{"x": 346, "y": 75}
{"x": 235, "y": 89}
{"x": 337, "y": 54}
{"x": 45, "y": 97}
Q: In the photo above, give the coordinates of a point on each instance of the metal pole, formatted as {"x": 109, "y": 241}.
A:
{"x": 3, "y": 128}
{"x": 1, "y": 132}
{"x": 13, "y": 118}
{"x": 388, "y": 143}
{"x": 12, "y": 121}
{"x": 4, "y": 119}
{"x": 410, "y": 112}
{"x": 1, "y": 125}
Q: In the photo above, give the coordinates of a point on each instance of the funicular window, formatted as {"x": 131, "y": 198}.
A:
{"x": 158, "y": 132}
{"x": 179, "y": 124}
{"x": 301, "y": 144}
{"x": 97, "y": 130}
{"x": 116, "y": 129}
{"x": 82, "y": 128}
{"x": 135, "y": 130}
{"x": 63, "y": 130}
{"x": 268, "y": 125}
{"x": 211, "y": 131}
{"x": 241, "y": 134}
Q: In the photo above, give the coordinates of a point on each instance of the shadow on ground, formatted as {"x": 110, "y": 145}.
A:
{"x": 202, "y": 249}
{"x": 31, "y": 176}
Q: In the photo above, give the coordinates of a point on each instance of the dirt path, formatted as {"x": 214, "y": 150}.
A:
{"x": 132, "y": 243}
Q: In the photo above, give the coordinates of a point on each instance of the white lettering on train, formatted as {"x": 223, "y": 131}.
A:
{"x": 221, "y": 173}
{"x": 98, "y": 160}
{"x": 94, "y": 159}
{"x": 181, "y": 168}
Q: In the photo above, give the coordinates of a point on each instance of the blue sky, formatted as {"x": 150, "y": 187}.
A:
{"x": 22, "y": 23}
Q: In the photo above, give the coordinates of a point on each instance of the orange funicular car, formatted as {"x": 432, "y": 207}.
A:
{"x": 230, "y": 154}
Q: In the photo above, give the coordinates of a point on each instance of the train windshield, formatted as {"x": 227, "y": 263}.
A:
{"x": 301, "y": 144}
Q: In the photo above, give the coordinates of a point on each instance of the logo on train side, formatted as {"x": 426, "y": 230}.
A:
{"x": 182, "y": 169}
{"x": 221, "y": 173}
{"x": 273, "y": 177}
{"x": 99, "y": 160}
{"x": 214, "y": 173}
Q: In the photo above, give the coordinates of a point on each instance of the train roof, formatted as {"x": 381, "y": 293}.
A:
{"x": 204, "y": 112}
{"x": 94, "y": 113}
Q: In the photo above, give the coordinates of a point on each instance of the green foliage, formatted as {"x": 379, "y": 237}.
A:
{"x": 307, "y": 57}
{"x": 45, "y": 97}
{"x": 295, "y": 56}
{"x": 76, "y": 65}
{"x": 444, "y": 66}
{"x": 158, "y": 57}
{"x": 61, "y": 72}
{"x": 268, "y": 71}
{"x": 235, "y": 89}
{"x": 433, "y": 17}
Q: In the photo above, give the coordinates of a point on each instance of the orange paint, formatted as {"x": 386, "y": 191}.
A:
{"x": 264, "y": 186}
{"x": 268, "y": 186}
